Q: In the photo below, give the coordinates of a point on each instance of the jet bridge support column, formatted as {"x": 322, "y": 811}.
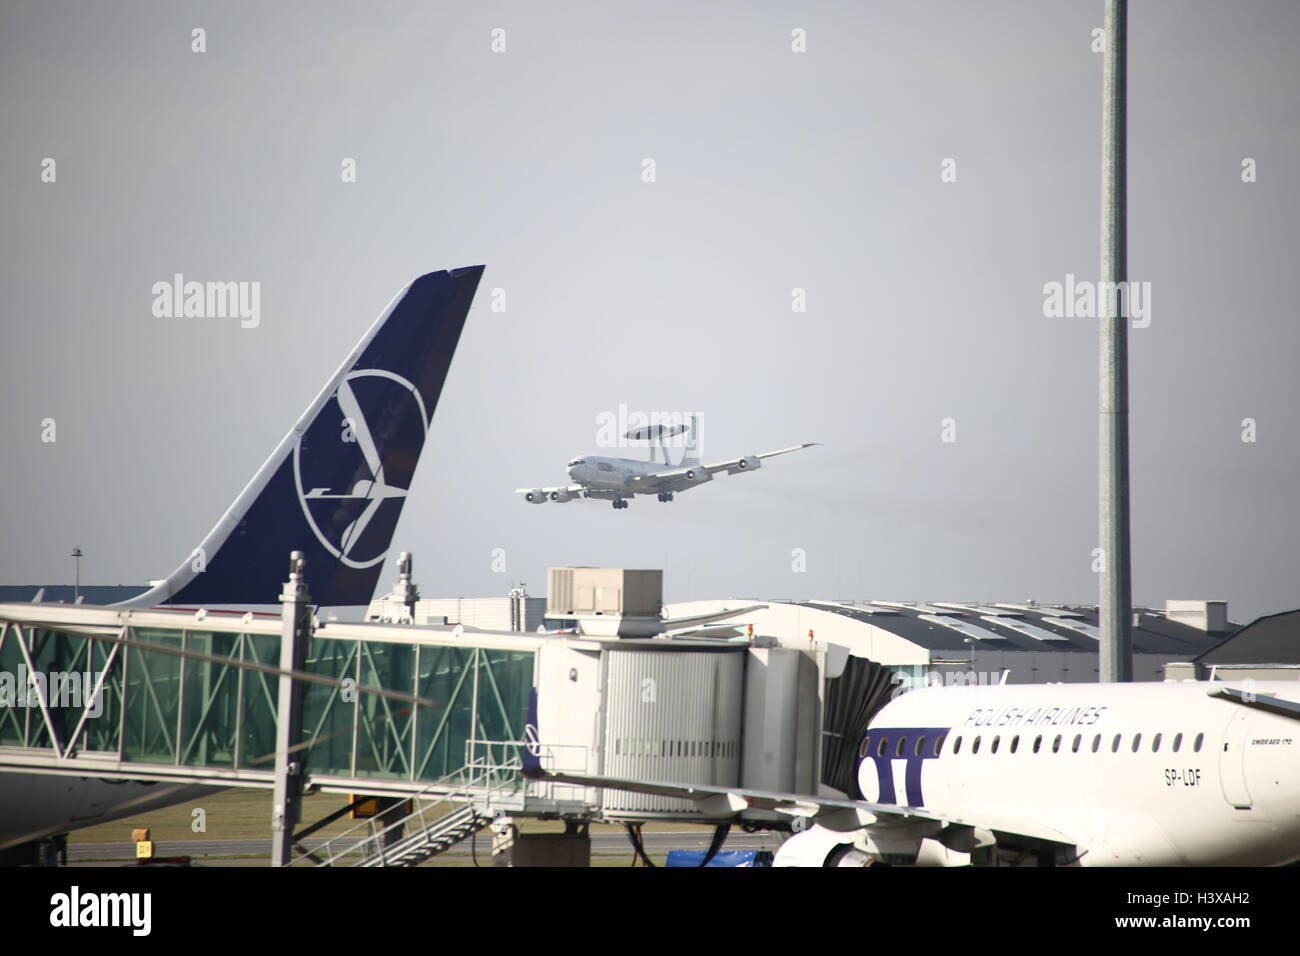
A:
{"x": 286, "y": 807}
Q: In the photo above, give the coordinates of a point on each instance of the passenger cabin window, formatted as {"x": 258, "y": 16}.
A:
{"x": 1056, "y": 744}
{"x": 996, "y": 741}
{"x": 1038, "y": 742}
{"x": 1196, "y": 744}
{"x": 920, "y": 743}
{"x": 880, "y": 749}
{"x": 1137, "y": 742}
{"x": 956, "y": 745}
{"x": 1178, "y": 742}
{"x": 1114, "y": 745}
{"x": 1015, "y": 743}
{"x": 1074, "y": 747}
{"x": 1155, "y": 744}
{"x": 865, "y": 746}
{"x": 975, "y": 747}
{"x": 1096, "y": 743}
{"x": 938, "y": 745}
{"x": 900, "y": 746}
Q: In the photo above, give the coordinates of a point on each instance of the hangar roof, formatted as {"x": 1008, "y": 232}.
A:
{"x": 947, "y": 627}
{"x": 1272, "y": 639}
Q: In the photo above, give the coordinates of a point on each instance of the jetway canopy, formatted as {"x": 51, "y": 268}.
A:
{"x": 195, "y": 696}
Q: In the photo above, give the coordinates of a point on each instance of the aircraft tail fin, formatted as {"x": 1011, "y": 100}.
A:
{"x": 334, "y": 486}
{"x": 532, "y": 753}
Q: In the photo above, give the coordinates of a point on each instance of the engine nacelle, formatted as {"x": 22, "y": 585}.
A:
{"x": 748, "y": 463}
{"x": 561, "y": 495}
{"x": 818, "y": 846}
{"x": 536, "y": 496}
{"x": 915, "y": 844}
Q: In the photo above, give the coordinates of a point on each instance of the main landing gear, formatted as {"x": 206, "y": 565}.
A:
{"x": 620, "y": 502}
{"x": 665, "y": 496}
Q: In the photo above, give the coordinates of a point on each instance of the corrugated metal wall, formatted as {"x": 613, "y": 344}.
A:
{"x": 673, "y": 717}
{"x": 607, "y": 590}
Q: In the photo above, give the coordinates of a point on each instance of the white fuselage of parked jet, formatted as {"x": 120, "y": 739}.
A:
{"x": 1093, "y": 774}
{"x": 1145, "y": 774}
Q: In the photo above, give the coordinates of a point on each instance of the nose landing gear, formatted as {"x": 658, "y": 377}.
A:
{"x": 620, "y": 503}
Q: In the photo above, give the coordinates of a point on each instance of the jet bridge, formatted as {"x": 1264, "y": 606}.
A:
{"x": 433, "y": 714}
{"x": 171, "y": 695}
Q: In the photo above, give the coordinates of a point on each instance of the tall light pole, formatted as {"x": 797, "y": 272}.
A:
{"x": 1116, "y": 646}
{"x": 76, "y": 588}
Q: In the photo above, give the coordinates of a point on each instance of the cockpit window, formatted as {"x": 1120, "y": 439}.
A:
{"x": 576, "y": 461}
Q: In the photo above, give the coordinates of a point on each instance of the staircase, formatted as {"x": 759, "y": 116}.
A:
{"x": 477, "y": 791}
{"x": 442, "y": 834}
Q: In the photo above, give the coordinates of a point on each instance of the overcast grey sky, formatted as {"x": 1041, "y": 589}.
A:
{"x": 774, "y": 170}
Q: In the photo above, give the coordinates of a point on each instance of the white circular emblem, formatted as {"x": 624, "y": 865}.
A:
{"x": 373, "y": 490}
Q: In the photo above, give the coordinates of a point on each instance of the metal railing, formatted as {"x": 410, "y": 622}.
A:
{"x": 484, "y": 786}
{"x": 554, "y": 758}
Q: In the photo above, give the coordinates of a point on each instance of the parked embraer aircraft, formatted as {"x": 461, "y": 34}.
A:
{"x": 1173, "y": 774}
{"x": 617, "y": 479}
{"x": 333, "y": 488}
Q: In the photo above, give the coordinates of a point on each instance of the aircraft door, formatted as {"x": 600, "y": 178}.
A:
{"x": 1232, "y": 759}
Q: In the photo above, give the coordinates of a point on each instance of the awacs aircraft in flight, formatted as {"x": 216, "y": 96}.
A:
{"x": 1171, "y": 774}
{"x": 618, "y": 479}
{"x": 333, "y": 488}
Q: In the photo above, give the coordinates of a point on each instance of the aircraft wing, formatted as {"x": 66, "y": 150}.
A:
{"x": 732, "y": 466}
{"x": 1265, "y": 702}
{"x": 676, "y": 623}
{"x": 832, "y": 813}
{"x": 736, "y": 465}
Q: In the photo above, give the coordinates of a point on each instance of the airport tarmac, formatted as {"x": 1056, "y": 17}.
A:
{"x": 608, "y": 848}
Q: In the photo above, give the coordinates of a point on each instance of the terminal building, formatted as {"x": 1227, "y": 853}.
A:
{"x": 766, "y": 695}
{"x": 995, "y": 643}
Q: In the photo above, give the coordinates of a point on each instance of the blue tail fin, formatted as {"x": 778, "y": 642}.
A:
{"x": 334, "y": 487}
{"x": 532, "y": 755}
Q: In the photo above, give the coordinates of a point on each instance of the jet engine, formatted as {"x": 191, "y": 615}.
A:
{"x": 748, "y": 463}
{"x": 536, "y": 496}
